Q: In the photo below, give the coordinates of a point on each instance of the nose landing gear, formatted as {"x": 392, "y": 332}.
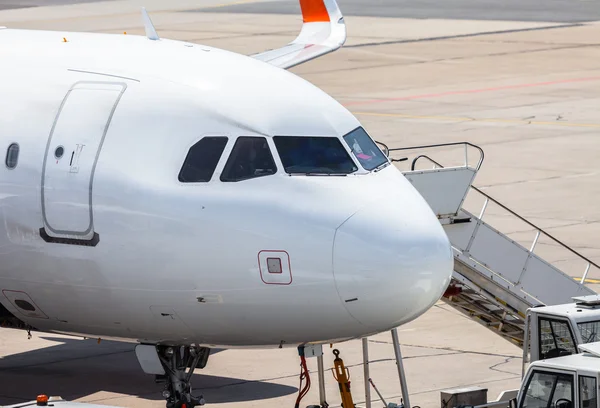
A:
{"x": 175, "y": 361}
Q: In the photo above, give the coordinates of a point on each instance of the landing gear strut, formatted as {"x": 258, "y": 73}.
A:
{"x": 175, "y": 361}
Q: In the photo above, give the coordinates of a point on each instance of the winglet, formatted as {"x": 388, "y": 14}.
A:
{"x": 150, "y": 30}
{"x": 314, "y": 11}
{"x": 323, "y": 31}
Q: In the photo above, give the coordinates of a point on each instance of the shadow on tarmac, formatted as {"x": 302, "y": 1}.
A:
{"x": 75, "y": 368}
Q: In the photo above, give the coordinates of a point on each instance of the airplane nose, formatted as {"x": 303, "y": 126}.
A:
{"x": 392, "y": 261}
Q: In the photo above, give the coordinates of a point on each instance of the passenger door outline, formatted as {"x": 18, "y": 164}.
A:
{"x": 58, "y": 227}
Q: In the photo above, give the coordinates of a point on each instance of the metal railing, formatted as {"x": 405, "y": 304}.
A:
{"x": 539, "y": 231}
{"x": 466, "y": 152}
{"x": 385, "y": 149}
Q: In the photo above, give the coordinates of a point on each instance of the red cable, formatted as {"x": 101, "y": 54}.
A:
{"x": 304, "y": 374}
{"x": 307, "y": 377}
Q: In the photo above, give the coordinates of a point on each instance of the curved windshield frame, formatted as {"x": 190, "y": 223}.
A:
{"x": 314, "y": 155}
{"x": 365, "y": 150}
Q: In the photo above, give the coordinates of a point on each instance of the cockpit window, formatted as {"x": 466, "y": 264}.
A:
{"x": 202, "y": 159}
{"x": 365, "y": 150}
{"x": 314, "y": 155}
{"x": 250, "y": 158}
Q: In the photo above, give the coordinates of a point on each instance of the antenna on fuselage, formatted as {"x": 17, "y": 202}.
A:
{"x": 150, "y": 30}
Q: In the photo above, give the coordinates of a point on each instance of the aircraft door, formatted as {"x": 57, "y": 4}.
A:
{"x": 72, "y": 151}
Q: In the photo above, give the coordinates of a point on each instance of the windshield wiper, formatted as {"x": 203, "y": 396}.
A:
{"x": 325, "y": 174}
{"x": 315, "y": 173}
{"x": 381, "y": 166}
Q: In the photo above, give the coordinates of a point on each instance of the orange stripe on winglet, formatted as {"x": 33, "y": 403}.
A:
{"x": 314, "y": 11}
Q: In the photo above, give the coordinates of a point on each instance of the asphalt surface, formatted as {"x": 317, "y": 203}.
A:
{"x": 563, "y": 11}
{"x": 526, "y": 92}
{"x": 560, "y": 11}
{"x": 17, "y": 4}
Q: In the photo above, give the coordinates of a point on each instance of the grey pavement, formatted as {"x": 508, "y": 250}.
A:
{"x": 17, "y": 4}
{"x": 565, "y": 11}
{"x": 525, "y": 90}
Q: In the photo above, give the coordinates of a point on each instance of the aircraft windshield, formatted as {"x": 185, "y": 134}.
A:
{"x": 314, "y": 155}
{"x": 365, "y": 150}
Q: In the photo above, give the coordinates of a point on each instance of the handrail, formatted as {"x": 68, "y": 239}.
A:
{"x": 481, "y": 154}
{"x": 385, "y": 150}
{"x": 424, "y": 156}
{"x": 488, "y": 197}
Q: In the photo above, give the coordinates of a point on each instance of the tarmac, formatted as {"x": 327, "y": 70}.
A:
{"x": 520, "y": 79}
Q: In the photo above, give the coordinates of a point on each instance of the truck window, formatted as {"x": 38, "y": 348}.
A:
{"x": 587, "y": 392}
{"x": 555, "y": 338}
{"x": 589, "y": 331}
{"x": 545, "y": 389}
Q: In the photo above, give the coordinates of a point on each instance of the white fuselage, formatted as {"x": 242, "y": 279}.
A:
{"x": 180, "y": 262}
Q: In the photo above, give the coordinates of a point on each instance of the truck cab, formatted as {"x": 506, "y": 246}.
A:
{"x": 563, "y": 382}
{"x": 556, "y": 331}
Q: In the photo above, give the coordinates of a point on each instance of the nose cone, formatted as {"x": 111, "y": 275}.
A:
{"x": 392, "y": 261}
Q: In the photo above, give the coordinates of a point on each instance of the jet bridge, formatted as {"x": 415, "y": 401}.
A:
{"x": 503, "y": 263}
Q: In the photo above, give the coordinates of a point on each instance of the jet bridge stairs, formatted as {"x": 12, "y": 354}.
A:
{"x": 503, "y": 263}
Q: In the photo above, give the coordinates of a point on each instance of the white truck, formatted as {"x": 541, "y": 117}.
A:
{"x": 562, "y": 342}
{"x": 564, "y": 350}
{"x": 554, "y": 331}
{"x": 563, "y": 382}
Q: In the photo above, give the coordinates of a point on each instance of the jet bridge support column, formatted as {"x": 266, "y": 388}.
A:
{"x": 365, "y": 349}
{"x": 321, "y": 371}
{"x": 400, "y": 365}
{"x": 401, "y": 374}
